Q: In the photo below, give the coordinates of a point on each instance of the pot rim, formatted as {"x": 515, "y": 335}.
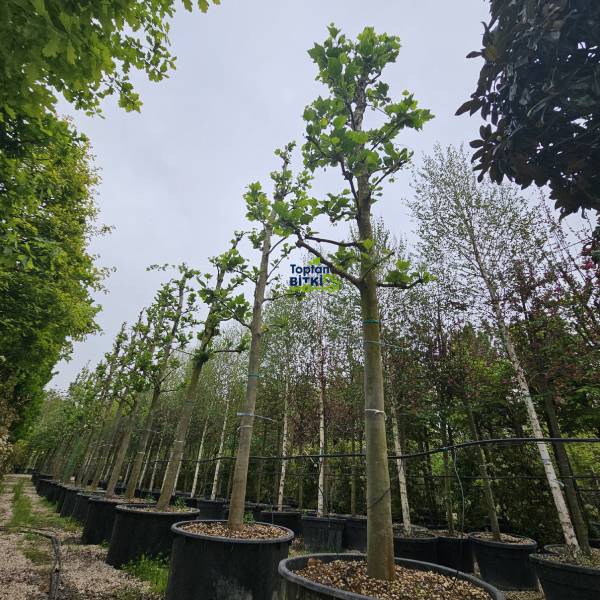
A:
{"x": 177, "y": 530}
{"x": 334, "y": 520}
{"x": 282, "y": 512}
{"x": 427, "y": 538}
{"x": 500, "y": 544}
{"x": 290, "y": 575}
{"x": 557, "y": 564}
{"x": 134, "y": 509}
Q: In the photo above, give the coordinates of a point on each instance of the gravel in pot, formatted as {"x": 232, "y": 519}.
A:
{"x": 324, "y": 576}
{"x": 505, "y": 563}
{"x": 208, "y": 562}
{"x": 417, "y": 544}
{"x": 143, "y": 531}
{"x": 565, "y": 578}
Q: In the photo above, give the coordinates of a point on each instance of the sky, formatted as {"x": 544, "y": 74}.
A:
{"x": 173, "y": 175}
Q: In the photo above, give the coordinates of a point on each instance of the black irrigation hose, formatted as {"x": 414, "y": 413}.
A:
{"x": 56, "y": 567}
{"x": 496, "y": 441}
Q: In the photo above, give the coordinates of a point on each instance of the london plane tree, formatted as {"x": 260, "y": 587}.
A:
{"x": 337, "y": 135}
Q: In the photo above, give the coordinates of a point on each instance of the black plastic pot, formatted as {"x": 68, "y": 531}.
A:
{"x": 68, "y": 503}
{"x": 294, "y": 587}
{"x": 100, "y": 520}
{"x": 562, "y": 581}
{"x": 81, "y": 507}
{"x": 211, "y": 509}
{"x": 323, "y": 533}
{"x": 355, "y": 533}
{"x": 187, "y": 499}
{"x": 505, "y": 566}
{"x": 43, "y": 486}
{"x": 215, "y": 568}
{"x": 455, "y": 553}
{"x": 138, "y": 532}
{"x": 53, "y": 492}
{"x": 60, "y": 496}
{"x": 290, "y": 519}
{"x": 422, "y": 549}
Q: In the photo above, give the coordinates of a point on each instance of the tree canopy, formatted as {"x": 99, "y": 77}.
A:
{"x": 540, "y": 90}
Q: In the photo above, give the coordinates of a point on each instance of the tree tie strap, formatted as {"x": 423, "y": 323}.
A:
{"x": 371, "y": 321}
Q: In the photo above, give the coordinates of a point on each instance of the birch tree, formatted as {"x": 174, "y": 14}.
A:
{"x": 484, "y": 228}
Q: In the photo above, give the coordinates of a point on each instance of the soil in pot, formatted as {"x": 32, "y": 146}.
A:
{"x": 100, "y": 519}
{"x": 454, "y": 551}
{"x": 290, "y": 519}
{"x": 505, "y": 563}
{"x": 565, "y": 578}
{"x": 323, "y": 533}
{"x": 418, "y": 544}
{"x": 355, "y": 533}
{"x": 143, "y": 531}
{"x": 325, "y": 576}
{"x": 211, "y": 562}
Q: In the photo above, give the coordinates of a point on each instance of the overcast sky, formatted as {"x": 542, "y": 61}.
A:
{"x": 173, "y": 175}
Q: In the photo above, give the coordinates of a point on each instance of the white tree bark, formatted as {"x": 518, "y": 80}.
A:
{"x": 284, "y": 447}
{"x": 215, "y": 485}
{"x": 200, "y": 453}
{"x": 401, "y": 475}
{"x": 321, "y": 491}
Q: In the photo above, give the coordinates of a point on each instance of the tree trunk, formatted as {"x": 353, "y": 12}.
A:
{"x": 240, "y": 476}
{"x": 122, "y": 451}
{"x": 215, "y": 485}
{"x": 284, "y": 447}
{"x": 380, "y": 540}
{"x": 447, "y": 479}
{"x": 176, "y": 454}
{"x": 401, "y": 475}
{"x": 564, "y": 467}
{"x": 322, "y": 451}
{"x": 155, "y": 465}
{"x": 483, "y": 473}
{"x": 200, "y": 451}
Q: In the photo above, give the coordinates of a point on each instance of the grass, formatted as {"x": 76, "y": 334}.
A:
{"x": 153, "y": 570}
{"x": 24, "y": 516}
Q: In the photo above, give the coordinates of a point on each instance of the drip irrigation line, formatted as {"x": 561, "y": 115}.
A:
{"x": 441, "y": 449}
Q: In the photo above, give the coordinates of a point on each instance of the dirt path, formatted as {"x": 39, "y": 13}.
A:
{"x": 26, "y": 559}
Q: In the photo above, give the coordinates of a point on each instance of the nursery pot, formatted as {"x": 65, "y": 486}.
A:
{"x": 323, "y": 533}
{"x": 52, "y": 491}
{"x": 455, "y": 553}
{"x": 355, "y": 533}
{"x": 138, "y": 532}
{"x": 80, "y": 509}
{"x": 100, "y": 519}
{"x": 60, "y": 496}
{"x": 211, "y": 509}
{"x": 68, "y": 503}
{"x": 217, "y": 568}
{"x": 42, "y": 487}
{"x": 290, "y": 519}
{"x": 504, "y": 565}
{"x": 295, "y": 587}
{"x": 416, "y": 548}
{"x": 563, "y": 581}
